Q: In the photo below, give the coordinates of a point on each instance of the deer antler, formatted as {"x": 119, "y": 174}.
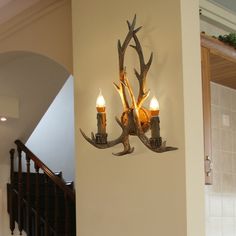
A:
{"x": 132, "y": 122}
{"x": 144, "y": 67}
{"x": 146, "y": 141}
{"x": 139, "y": 131}
{"x": 121, "y": 52}
{"x": 122, "y": 139}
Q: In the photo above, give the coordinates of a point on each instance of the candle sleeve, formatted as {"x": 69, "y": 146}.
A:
{"x": 155, "y": 127}
{"x": 101, "y": 122}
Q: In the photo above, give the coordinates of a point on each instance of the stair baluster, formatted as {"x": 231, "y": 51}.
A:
{"x": 56, "y": 210}
{"x": 46, "y": 225}
{"x": 12, "y": 211}
{"x": 28, "y": 203}
{"x": 37, "y": 203}
{"x": 66, "y": 215}
{"x": 20, "y": 215}
{"x": 42, "y": 203}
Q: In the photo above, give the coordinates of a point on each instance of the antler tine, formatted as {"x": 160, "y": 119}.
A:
{"x": 120, "y": 90}
{"x": 144, "y": 67}
{"x": 119, "y": 123}
{"x": 125, "y": 141}
{"x": 131, "y": 26}
{"x": 131, "y": 94}
{"x": 121, "y": 52}
{"x": 163, "y": 148}
{"x": 122, "y": 139}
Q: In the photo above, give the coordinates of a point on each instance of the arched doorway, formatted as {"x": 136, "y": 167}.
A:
{"x": 33, "y": 81}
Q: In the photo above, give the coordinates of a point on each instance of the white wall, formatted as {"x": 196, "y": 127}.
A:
{"x": 54, "y": 134}
{"x": 34, "y": 81}
{"x": 4, "y": 173}
{"x": 53, "y": 138}
{"x": 221, "y": 196}
{"x": 44, "y": 30}
{"x": 4, "y": 217}
{"x": 23, "y": 76}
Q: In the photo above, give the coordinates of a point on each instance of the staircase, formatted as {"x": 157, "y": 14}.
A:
{"x": 39, "y": 201}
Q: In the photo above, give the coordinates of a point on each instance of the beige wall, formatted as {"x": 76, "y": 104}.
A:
{"x": 4, "y": 219}
{"x": 144, "y": 193}
{"x": 193, "y": 123}
{"x": 4, "y": 222}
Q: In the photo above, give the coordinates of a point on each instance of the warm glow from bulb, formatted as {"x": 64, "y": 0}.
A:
{"x": 3, "y": 119}
{"x": 100, "y": 103}
{"x": 154, "y": 106}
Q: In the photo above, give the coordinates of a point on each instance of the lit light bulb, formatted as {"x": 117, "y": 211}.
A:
{"x": 154, "y": 106}
{"x": 100, "y": 103}
{"x": 3, "y": 119}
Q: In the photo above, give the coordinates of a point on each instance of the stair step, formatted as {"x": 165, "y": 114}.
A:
{"x": 41, "y": 176}
{"x": 51, "y": 200}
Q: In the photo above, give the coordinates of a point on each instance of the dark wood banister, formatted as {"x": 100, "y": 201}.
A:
{"x": 69, "y": 192}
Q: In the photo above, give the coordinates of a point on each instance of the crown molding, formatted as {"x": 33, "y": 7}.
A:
{"x": 218, "y": 14}
{"x": 26, "y": 17}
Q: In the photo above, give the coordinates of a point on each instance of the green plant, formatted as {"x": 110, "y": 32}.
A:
{"x": 229, "y": 39}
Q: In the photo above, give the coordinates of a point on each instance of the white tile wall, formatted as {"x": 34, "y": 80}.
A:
{"x": 221, "y": 196}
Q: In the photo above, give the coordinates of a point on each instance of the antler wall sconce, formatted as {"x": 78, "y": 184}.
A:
{"x": 135, "y": 119}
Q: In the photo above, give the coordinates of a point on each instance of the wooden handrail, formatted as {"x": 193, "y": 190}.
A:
{"x": 69, "y": 192}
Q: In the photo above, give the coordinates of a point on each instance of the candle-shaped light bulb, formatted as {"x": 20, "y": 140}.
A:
{"x": 3, "y": 119}
{"x": 100, "y": 103}
{"x": 155, "y": 139}
{"x": 154, "y": 106}
{"x": 101, "y": 119}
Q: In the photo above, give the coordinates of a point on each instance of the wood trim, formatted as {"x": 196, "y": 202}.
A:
{"x": 219, "y": 48}
{"x": 206, "y": 77}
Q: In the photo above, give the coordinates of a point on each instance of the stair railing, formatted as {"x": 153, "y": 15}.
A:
{"x": 59, "y": 185}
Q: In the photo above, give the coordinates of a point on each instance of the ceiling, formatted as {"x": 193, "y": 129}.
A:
{"x": 223, "y": 71}
{"x": 229, "y": 5}
{"x": 11, "y": 8}
{"x": 33, "y": 79}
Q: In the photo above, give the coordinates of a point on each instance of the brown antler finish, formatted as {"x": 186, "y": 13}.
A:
{"x": 123, "y": 139}
{"x": 135, "y": 118}
{"x": 122, "y": 73}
